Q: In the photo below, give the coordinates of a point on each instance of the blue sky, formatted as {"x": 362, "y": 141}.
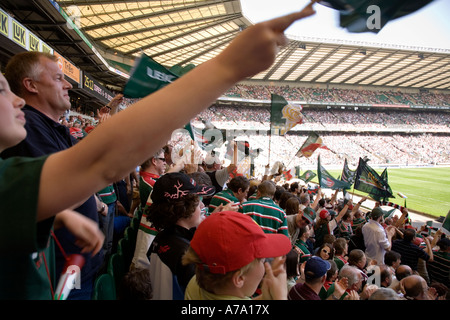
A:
{"x": 428, "y": 27}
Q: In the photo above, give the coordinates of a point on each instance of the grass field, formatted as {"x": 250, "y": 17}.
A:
{"x": 427, "y": 189}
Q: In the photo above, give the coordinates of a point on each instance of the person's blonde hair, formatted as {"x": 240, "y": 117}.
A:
{"x": 211, "y": 281}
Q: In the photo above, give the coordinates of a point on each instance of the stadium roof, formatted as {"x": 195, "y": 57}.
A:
{"x": 181, "y": 32}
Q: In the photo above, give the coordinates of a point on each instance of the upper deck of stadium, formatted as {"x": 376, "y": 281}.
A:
{"x": 103, "y": 38}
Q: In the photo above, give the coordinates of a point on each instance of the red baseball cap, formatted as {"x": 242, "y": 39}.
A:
{"x": 324, "y": 213}
{"x": 227, "y": 241}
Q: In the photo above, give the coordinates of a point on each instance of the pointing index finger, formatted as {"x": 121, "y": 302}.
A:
{"x": 282, "y": 23}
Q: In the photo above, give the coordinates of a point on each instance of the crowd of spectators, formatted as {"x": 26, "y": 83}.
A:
{"x": 364, "y": 96}
{"x": 335, "y": 119}
{"x": 412, "y": 263}
{"x": 197, "y": 252}
{"x": 386, "y": 137}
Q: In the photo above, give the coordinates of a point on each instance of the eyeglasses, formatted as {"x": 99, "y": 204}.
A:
{"x": 162, "y": 159}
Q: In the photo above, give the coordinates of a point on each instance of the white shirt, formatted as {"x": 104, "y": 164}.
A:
{"x": 375, "y": 240}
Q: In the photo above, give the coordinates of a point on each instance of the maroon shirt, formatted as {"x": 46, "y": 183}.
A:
{"x": 301, "y": 291}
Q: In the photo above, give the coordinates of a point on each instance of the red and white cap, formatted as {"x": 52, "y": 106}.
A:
{"x": 227, "y": 241}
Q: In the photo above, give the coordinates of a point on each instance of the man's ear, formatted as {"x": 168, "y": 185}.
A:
{"x": 29, "y": 85}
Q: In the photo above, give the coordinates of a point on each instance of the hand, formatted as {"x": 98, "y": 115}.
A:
{"x": 190, "y": 168}
{"x": 103, "y": 114}
{"x": 114, "y": 103}
{"x": 274, "y": 285}
{"x": 231, "y": 206}
{"x": 391, "y": 230}
{"x": 352, "y": 295}
{"x": 89, "y": 237}
{"x": 438, "y": 233}
{"x": 104, "y": 212}
{"x": 432, "y": 293}
{"x": 255, "y": 49}
{"x": 367, "y": 291}
{"x": 340, "y": 286}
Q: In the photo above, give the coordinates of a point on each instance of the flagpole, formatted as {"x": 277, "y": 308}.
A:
{"x": 235, "y": 153}
{"x": 270, "y": 140}
{"x": 287, "y": 166}
{"x": 192, "y": 152}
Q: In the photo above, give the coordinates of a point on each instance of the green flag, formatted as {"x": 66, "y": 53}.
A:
{"x": 283, "y": 116}
{"x": 179, "y": 70}
{"x": 384, "y": 176}
{"x": 307, "y": 176}
{"x": 372, "y": 15}
{"x": 196, "y": 134}
{"x": 347, "y": 174}
{"x": 446, "y": 223}
{"x": 389, "y": 213}
{"x": 369, "y": 181}
{"x": 326, "y": 180}
{"x": 147, "y": 76}
{"x": 310, "y": 145}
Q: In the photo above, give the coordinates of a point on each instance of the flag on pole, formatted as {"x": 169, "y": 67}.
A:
{"x": 307, "y": 176}
{"x": 147, "y": 76}
{"x": 446, "y": 223}
{"x": 326, "y": 180}
{"x": 402, "y": 196}
{"x": 372, "y": 15}
{"x": 180, "y": 70}
{"x": 384, "y": 176}
{"x": 243, "y": 168}
{"x": 196, "y": 135}
{"x": 389, "y": 213}
{"x": 313, "y": 142}
{"x": 347, "y": 174}
{"x": 283, "y": 116}
{"x": 289, "y": 174}
{"x": 369, "y": 181}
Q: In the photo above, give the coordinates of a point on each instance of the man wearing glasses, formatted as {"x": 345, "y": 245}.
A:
{"x": 150, "y": 171}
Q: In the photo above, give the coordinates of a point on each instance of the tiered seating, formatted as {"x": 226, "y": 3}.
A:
{"x": 108, "y": 283}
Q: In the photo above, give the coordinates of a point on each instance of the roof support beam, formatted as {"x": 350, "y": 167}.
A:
{"x": 423, "y": 70}
{"x": 334, "y": 65}
{"x": 299, "y": 63}
{"x": 154, "y": 14}
{"x": 183, "y": 34}
{"x": 160, "y": 27}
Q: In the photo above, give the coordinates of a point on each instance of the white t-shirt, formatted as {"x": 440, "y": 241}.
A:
{"x": 375, "y": 240}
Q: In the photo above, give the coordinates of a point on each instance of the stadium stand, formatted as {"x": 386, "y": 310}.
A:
{"x": 391, "y": 125}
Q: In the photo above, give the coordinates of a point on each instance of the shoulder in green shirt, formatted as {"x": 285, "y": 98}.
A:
{"x": 25, "y": 255}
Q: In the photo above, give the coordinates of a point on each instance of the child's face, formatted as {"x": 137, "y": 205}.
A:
{"x": 253, "y": 277}
{"x": 197, "y": 217}
{"x": 12, "y": 119}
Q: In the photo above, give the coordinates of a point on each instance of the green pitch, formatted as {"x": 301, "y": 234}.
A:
{"x": 427, "y": 189}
